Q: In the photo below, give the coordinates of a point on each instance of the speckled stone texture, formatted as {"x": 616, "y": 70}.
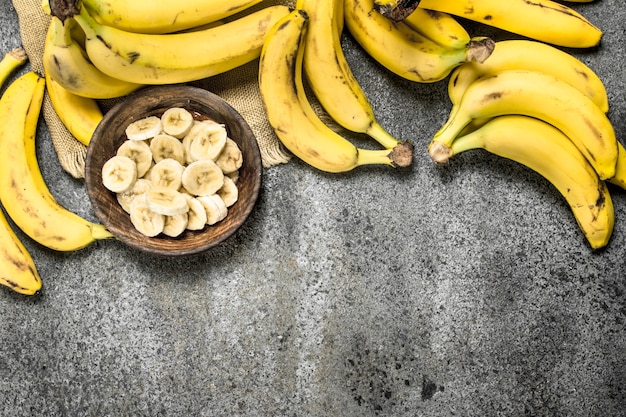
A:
{"x": 464, "y": 290}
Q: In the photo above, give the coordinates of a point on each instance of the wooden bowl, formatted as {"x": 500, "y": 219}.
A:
{"x": 110, "y": 133}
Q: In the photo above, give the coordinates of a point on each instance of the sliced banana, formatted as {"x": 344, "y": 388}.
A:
{"x": 229, "y": 192}
{"x": 138, "y": 151}
{"x": 202, "y": 177}
{"x": 175, "y": 225}
{"x": 126, "y": 198}
{"x": 144, "y": 129}
{"x": 196, "y": 216}
{"x": 146, "y": 221}
{"x": 233, "y": 176}
{"x": 206, "y": 139}
{"x": 231, "y": 158}
{"x": 165, "y": 146}
{"x": 166, "y": 201}
{"x": 177, "y": 121}
{"x": 215, "y": 208}
{"x": 119, "y": 173}
{"x": 167, "y": 173}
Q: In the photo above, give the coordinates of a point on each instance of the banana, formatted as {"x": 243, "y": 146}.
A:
{"x": 549, "y": 152}
{"x": 205, "y": 140}
{"x": 396, "y": 10}
{"x": 144, "y": 128}
{"x": 180, "y": 57}
{"x": 146, "y": 221}
{"x": 80, "y": 115}
{"x": 229, "y": 192}
{"x": 538, "y": 95}
{"x": 231, "y": 157}
{"x": 202, "y": 177}
{"x": 177, "y": 122}
{"x": 139, "y": 188}
{"x": 532, "y": 56}
{"x": 66, "y": 63}
{"x": 139, "y": 151}
{"x": 170, "y": 15}
{"x": 167, "y": 173}
{"x": 619, "y": 178}
{"x": 404, "y": 51}
{"x": 441, "y": 28}
{"x": 215, "y": 208}
{"x": 10, "y": 62}
{"x": 30, "y": 205}
{"x": 197, "y": 215}
{"x": 330, "y": 76}
{"x": 175, "y": 225}
{"x": 119, "y": 173}
{"x": 542, "y": 20}
{"x": 166, "y": 201}
{"x": 290, "y": 114}
{"x": 164, "y": 146}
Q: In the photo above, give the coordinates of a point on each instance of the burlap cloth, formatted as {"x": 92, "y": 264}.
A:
{"x": 238, "y": 87}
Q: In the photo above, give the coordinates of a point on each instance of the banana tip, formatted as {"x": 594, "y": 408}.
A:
{"x": 439, "y": 152}
{"x": 402, "y": 154}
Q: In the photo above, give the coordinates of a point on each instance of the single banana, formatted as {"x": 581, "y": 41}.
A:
{"x": 143, "y": 16}
{"x": 290, "y": 114}
{"x": 79, "y": 115}
{"x": 10, "y": 62}
{"x": 538, "y": 95}
{"x": 66, "y": 63}
{"x": 439, "y": 27}
{"x": 531, "y": 56}
{"x": 405, "y": 51}
{"x": 180, "y": 57}
{"x": 17, "y": 268}
{"x": 542, "y": 20}
{"x": 549, "y": 152}
{"x": 330, "y": 76}
{"x": 23, "y": 191}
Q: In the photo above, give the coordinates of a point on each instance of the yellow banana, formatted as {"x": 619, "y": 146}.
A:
{"x": 10, "y": 62}
{"x": 532, "y": 56}
{"x": 546, "y": 150}
{"x": 404, "y": 51}
{"x": 538, "y": 95}
{"x": 542, "y": 20}
{"x": 145, "y": 16}
{"x": 65, "y": 62}
{"x": 23, "y": 191}
{"x": 180, "y": 57}
{"x": 439, "y": 27}
{"x": 619, "y": 178}
{"x": 331, "y": 78}
{"x": 289, "y": 112}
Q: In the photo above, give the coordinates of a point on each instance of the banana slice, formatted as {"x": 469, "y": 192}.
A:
{"x": 175, "y": 225}
{"x": 206, "y": 139}
{"x": 165, "y": 146}
{"x": 231, "y": 158}
{"x": 215, "y": 208}
{"x": 166, "y": 201}
{"x": 229, "y": 192}
{"x": 202, "y": 177}
{"x": 177, "y": 121}
{"x": 126, "y": 198}
{"x": 196, "y": 216}
{"x": 138, "y": 151}
{"x": 167, "y": 173}
{"x": 146, "y": 221}
{"x": 119, "y": 173}
{"x": 233, "y": 176}
{"x": 144, "y": 129}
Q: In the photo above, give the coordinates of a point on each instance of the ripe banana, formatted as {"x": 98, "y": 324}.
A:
{"x": 23, "y": 191}
{"x": 619, "y": 178}
{"x": 144, "y": 16}
{"x": 330, "y": 76}
{"x": 405, "y": 51}
{"x": 531, "y": 56}
{"x": 546, "y": 150}
{"x": 17, "y": 269}
{"x": 542, "y": 20}
{"x": 11, "y": 61}
{"x": 65, "y": 62}
{"x": 538, "y": 95}
{"x": 79, "y": 115}
{"x": 176, "y": 58}
{"x": 441, "y": 28}
{"x": 290, "y": 114}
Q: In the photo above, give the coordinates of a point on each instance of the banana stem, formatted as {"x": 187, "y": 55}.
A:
{"x": 64, "y": 8}
{"x": 99, "y": 232}
{"x": 380, "y": 135}
{"x": 479, "y": 49}
{"x": 396, "y": 10}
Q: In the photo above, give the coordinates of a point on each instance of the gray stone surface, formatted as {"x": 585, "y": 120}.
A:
{"x": 459, "y": 291}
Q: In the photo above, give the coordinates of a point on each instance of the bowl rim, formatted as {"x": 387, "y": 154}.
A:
{"x": 187, "y": 96}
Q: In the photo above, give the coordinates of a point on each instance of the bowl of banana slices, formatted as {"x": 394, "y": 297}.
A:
{"x": 173, "y": 170}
